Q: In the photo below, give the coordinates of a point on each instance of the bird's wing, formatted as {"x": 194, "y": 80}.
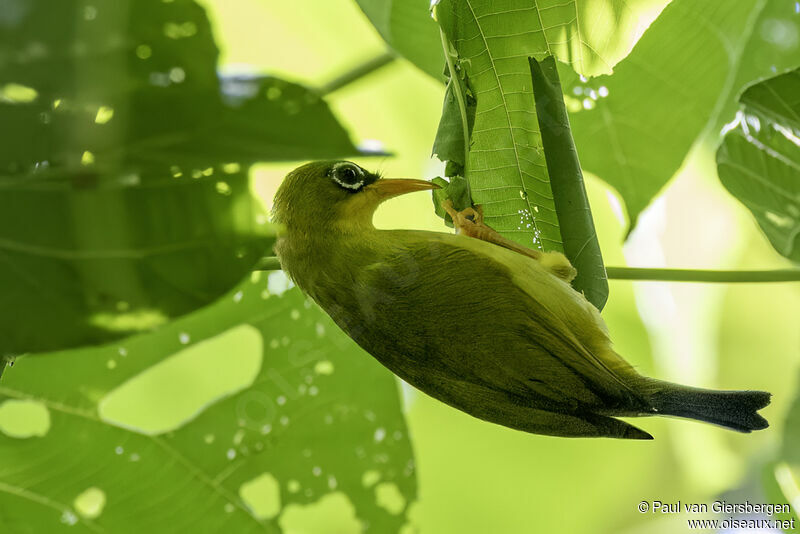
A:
{"x": 448, "y": 303}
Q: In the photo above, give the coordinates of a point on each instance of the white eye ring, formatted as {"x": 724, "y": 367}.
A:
{"x": 358, "y": 170}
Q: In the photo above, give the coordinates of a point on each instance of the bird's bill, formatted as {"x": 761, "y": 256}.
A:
{"x": 388, "y": 188}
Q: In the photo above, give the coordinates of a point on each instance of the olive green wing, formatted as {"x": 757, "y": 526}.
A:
{"x": 478, "y": 325}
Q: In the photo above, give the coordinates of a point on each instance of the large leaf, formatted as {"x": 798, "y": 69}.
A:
{"x": 506, "y": 168}
{"x": 492, "y": 40}
{"x": 124, "y": 198}
{"x": 407, "y": 26}
{"x": 84, "y": 263}
{"x": 569, "y": 194}
{"x": 635, "y": 128}
{"x": 759, "y": 160}
{"x": 592, "y": 35}
{"x": 318, "y": 421}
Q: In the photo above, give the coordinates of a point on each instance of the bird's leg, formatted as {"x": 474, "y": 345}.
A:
{"x": 469, "y": 222}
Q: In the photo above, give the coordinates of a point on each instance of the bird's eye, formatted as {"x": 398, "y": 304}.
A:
{"x": 348, "y": 175}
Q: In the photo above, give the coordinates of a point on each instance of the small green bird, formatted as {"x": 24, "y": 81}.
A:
{"x": 496, "y": 333}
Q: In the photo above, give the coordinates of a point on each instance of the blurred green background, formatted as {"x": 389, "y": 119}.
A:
{"x": 475, "y": 477}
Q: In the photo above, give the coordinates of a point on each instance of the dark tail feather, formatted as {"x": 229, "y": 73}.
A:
{"x": 736, "y": 410}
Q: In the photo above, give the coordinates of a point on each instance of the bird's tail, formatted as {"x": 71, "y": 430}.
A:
{"x": 737, "y": 410}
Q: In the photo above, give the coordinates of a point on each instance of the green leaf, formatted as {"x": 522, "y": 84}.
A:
{"x": 94, "y": 260}
{"x": 790, "y": 448}
{"x": 634, "y": 128}
{"x": 407, "y": 26}
{"x": 778, "y": 483}
{"x": 506, "y": 169}
{"x": 782, "y": 484}
{"x": 317, "y": 421}
{"x": 124, "y": 196}
{"x": 455, "y": 190}
{"x": 449, "y": 142}
{"x": 572, "y": 30}
{"x": 759, "y": 159}
{"x": 566, "y": 180}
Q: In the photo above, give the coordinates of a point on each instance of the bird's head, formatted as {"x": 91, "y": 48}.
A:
{"x": 335, "y": 194}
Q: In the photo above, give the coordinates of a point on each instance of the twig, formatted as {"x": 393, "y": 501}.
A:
{"x": 359, "y": 71}
{"x": 699, "y": 275}
{"x": 268, "y": 263}
{"x": 271, "y": 263}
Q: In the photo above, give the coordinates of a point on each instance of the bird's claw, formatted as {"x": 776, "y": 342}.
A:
{"x": 468, "y": 221}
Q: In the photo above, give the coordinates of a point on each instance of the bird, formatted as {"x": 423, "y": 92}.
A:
{"x": 486, "y": 326}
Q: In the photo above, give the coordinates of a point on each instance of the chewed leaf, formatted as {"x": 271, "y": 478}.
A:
{"x": 635, "y": 128}
{"x": 506, "y": 168}
{"x": 301, "y": 425}
{"x": 759, "y": 159}
{"x": 592, "y": 36}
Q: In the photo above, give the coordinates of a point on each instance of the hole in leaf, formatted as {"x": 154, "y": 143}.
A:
{"x": 262, "y": 495}
{"x": 388, "y": 497}
{"x": 324, "y": 367}
{"x": 90, "y": 503}
{"x": 17, "y": 94}
{"x": 370, "y": 478}
{"x": 104, "y": 114}
{"x": 24, "y": 418}
{"x": 203, "y": 373}
{"x": 278, "y": 283}
{"x": 332, "y": 514}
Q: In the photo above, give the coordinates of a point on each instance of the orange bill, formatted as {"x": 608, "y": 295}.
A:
{"x": 388, "y": 188}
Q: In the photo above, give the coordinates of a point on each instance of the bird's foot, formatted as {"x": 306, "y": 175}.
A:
{"x": 469, "y": 222}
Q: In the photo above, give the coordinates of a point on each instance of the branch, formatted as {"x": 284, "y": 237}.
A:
{"x": 358, "y": 72}
{"x": 698, "y": 275}
{"x": 268, "y": 263}
{"x": 271, "y": 263}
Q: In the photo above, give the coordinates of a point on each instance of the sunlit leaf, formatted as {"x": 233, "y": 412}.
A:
{"x": 566, "y": 180}
{"x": 492, "y": 41}
{"x": 759, "y": 160}
{"x": 407, "y": 26}
{"x": 506, "y": 168}
{"x": 635, "y": 127}
{"x": 124, "y": 198}
{"x": 312, "y": 422}
{"x": 592, "y": 35}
